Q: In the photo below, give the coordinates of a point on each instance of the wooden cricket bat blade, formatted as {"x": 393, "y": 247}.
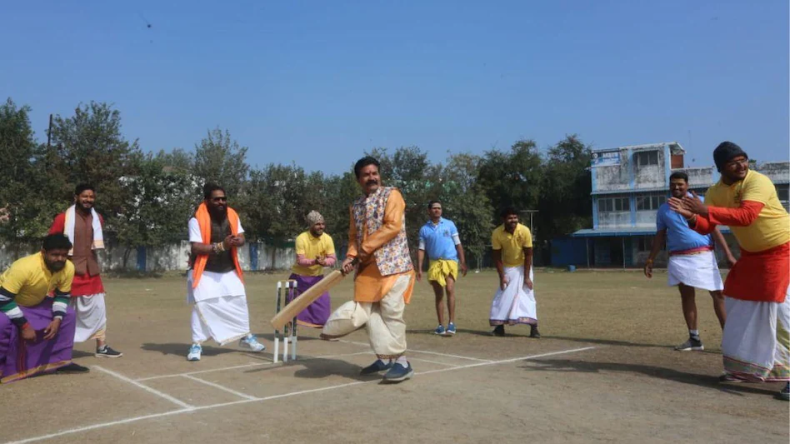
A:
{"x": 305, "y": 299}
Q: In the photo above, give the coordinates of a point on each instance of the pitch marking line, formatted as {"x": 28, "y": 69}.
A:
{"x": 412, "y": 358}
{"x": 146, "y": 388}
{"x": 257, "y": 364}
{"x": 285, "y": 395}
{"x": 221, "y": 387}
{"x": 411, "y": 350}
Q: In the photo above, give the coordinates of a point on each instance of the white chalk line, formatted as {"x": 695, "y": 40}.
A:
{"x": 411, "y": 350}
{"x": 145, "y": 387}
{"x": 505, "y": 361}
{"x": 267, "y": 398}
{"x": 412, "y": 358}
{"x": 221, "y": 387}
{"x": 258, "y": 364}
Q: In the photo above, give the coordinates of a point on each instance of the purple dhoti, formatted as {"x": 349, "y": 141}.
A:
{"x": 20, "y": 359}
{"x": 316, "y": 314}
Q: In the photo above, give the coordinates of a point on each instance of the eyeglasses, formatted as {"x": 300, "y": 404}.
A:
{"x": 734, "y": 163}
{"x": 219, "y": 199}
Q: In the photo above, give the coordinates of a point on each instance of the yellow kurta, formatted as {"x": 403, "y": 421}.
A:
{"x": 369, "y": 284}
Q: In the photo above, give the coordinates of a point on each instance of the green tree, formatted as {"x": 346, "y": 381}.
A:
{"x": 92, "y": 149}
{"x": 275, "y": 206}
{"x": 512, "y": 178}
{"x": 29, "y": 186}
{"x": 565, "y": 195}
{"x": 465, "y": 202}
{"x": 162, "y": 204}
{"x": 220, "y": 159}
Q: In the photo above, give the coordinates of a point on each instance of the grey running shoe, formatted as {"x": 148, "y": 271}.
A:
{"x": 691, "y": 345}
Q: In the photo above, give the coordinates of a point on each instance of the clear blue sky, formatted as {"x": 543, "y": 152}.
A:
{"x": 319, "y": 82}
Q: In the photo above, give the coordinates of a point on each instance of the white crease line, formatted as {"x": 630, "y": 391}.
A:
{"x": 505, "y": 361}
{"x": 177, "y": 375}
{"x": 285, "y": 395}
{"x": 412, "y": 358}
{"x": 411, "y": 350}
{"x": 222, "y": 387}
{"x": 146, "y": 388}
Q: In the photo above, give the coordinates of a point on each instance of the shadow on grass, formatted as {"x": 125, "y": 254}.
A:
{"x": 81, "y": 354}
{"x": 270, "y": 337}
{"x": 706, "y": 381}
{"x": 182, "y": 349}
{"x": 319, "y": 368}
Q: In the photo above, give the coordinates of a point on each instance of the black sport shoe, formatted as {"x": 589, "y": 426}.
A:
{"x": 691, "y": 345}
{"x": 376, "y": 367}
{"x": 499, "y": 330}
{"x": 72, "y": 368}
{"x": 107, "y": 352}
{"x": 534, "y": 333}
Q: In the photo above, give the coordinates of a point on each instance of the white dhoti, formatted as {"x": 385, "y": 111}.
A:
{"x": 220, "y": 308}
{"x": 516, "y": 303}
{"x": 695, "y": 270}
{"x": 756, "y": 340}
{"x": 384, "y": 321}
{"x": 91, "y": 317}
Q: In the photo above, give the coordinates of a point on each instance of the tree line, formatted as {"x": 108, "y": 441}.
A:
{"x": 146, "y": 198}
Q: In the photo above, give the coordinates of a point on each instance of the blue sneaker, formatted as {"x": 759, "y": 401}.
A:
{"x": 451, "y": 329}
{"x": 376, "y": 367}
{"x": 399, "y": 373}
{"x": 439, "y": 330}
{"x": 250, "y": 342}
{"x": 194, "y": 352}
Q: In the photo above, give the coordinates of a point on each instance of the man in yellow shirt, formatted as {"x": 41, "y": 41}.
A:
{"x": 756, "y": 337}
{"x": 314, "y": 251}
{"x": 514, "y": 301}
{"x": 379, "y": 252}
{"x": 37, "y": 332}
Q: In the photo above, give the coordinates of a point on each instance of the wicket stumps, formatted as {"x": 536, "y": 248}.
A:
{"x": 287, "y": 289}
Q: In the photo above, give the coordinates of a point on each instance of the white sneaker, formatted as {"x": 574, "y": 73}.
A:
{"x": 194, "y": 352}
{"x": 251, "y": 343}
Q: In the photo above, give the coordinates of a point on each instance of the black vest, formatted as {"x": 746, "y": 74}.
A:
{"x": 223, "y": 262}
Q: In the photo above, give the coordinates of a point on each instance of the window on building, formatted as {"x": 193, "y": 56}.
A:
{"x": 650, "y": 202}
{"x": 783, "y": 192}
{"x": 645, "y": 158}
{"x": 620, "y": 204}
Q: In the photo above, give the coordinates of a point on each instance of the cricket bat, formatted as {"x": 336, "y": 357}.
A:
{"x": 298, "y": 305}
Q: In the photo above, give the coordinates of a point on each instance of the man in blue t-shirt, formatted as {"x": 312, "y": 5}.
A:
{"x": 439, "y": 237}
{"x": 692, "y": 261}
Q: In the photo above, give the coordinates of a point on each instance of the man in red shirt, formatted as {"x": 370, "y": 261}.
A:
{"x": 83, "y": 226}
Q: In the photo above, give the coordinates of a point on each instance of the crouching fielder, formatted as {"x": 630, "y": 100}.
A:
{"x": 514, "y": 301}
{"x": 384, "y": 280}
{"x": 214, "y": 282}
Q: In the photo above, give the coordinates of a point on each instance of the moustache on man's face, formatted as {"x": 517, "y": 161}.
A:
{"x": 372, "y": 182}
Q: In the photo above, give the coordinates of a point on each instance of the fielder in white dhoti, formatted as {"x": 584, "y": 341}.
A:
{"x": 214, "y": 282}
{"x": 514, "y": 302}
{"x": 692, "y": 261}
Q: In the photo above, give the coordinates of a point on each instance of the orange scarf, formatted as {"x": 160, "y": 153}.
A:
{"x": 204, "y": 220}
